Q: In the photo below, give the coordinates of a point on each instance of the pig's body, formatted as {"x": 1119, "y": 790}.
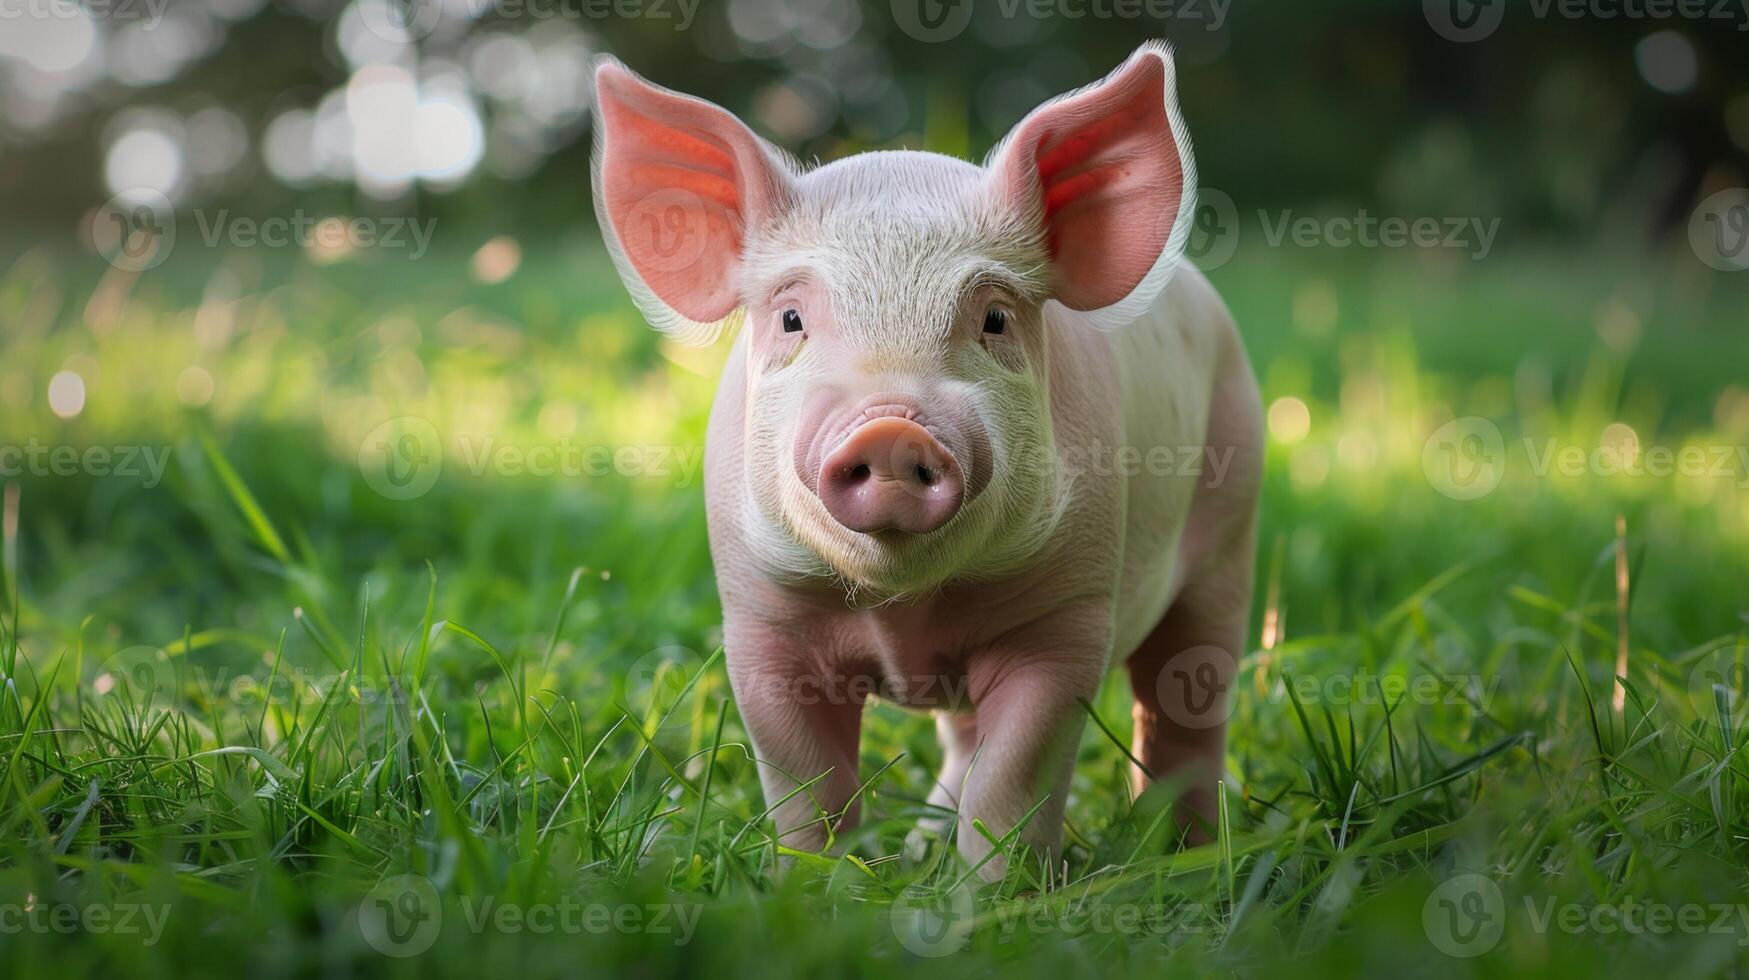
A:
{"x": 1176, "y": 379}
{"x": 983, "y": 433}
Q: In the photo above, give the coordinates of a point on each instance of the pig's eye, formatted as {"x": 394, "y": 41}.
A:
{"x": 792, "y": 321}
{"x": 995, "y": 321}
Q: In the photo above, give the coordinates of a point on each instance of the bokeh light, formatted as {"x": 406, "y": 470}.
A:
{"x": 66, "y": 394}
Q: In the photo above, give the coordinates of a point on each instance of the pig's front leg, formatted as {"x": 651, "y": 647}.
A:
{"x": 804, "y": 723}
{"x": 1027, "y": 691}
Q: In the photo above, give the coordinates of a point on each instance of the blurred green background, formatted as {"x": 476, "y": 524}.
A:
{"x": 206, "y": 479}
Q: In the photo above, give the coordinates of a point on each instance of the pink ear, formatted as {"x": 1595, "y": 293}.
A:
{"x": 1110, "y": 167}
{"x": 677, "y": 182}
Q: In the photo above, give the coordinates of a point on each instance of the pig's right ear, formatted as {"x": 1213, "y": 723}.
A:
{"x": 678, "y": 182}
{"x": 1108, "y": 173}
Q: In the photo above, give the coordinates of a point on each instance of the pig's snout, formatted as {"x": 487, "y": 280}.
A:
{"x": 891, "y": 474}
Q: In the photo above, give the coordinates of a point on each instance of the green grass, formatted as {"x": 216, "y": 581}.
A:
{"x": 240, "y": 699}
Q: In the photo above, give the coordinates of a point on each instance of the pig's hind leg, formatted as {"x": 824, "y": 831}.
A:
{"x": 1182, "y": 674}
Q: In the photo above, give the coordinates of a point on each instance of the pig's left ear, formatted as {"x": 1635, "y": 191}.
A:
{"x": 679, "y": 183}
{"x": 1109, "y": 172}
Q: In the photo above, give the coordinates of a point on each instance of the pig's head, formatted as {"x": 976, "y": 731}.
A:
{"x": 898, "y": 408}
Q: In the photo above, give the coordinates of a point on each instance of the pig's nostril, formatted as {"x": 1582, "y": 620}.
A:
{"x": 859, "y": 473}
{"x": 927, "y": 475}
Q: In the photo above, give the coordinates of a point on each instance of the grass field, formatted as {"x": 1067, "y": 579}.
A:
{"x": 292, "y": 705}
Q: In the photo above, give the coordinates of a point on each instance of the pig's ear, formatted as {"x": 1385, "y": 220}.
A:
{"x": 1108, "y": 171}
{"x": 678, "y": 182}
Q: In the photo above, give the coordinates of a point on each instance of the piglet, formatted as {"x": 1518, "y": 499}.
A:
{"x": 983, "y": 434}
